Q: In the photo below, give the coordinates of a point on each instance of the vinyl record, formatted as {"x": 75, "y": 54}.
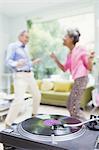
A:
{"x": 47, "y": 125}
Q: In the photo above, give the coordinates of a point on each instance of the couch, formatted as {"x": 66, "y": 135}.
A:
{"x": 58, "y": 93}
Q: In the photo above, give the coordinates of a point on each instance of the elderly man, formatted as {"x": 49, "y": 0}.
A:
{"x": 18, "y": 60}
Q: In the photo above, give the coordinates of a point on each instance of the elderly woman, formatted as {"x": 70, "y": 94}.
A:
{"x": 79, "y": 64}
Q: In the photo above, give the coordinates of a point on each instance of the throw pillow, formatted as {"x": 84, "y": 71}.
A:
{"x": 47, "y": 85}
{"x": 39, "y": 83}
{"x": 62, "y": 86}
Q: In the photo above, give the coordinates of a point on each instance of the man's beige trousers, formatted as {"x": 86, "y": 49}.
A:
{"x": 22, "y": 81}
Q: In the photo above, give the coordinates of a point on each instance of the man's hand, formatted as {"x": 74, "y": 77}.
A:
{"x": 21, "y": 63}
{"x": 36, "y": 61}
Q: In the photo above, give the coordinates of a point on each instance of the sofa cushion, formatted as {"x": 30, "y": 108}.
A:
{"x": 62, "y": 86}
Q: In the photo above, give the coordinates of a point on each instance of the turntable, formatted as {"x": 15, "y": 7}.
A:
{"x": 50, "y": 128}
{"x": 51, "y": 132}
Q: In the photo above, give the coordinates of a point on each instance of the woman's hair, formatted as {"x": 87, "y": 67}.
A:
{"x": 75, "y": 34}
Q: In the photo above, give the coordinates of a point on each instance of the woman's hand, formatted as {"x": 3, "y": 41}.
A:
{"x": 53, "y": 56}
{"x": 92, "y": 55}
{"x": 90, "y": 60}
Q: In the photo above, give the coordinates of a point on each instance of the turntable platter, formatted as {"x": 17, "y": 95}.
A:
{"x": 42, "y": 127}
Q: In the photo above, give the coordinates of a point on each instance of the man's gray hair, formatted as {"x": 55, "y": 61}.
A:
{"x": 22, "y": 32}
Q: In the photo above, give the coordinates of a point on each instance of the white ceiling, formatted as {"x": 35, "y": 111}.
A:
{"x": 55, "y": 8}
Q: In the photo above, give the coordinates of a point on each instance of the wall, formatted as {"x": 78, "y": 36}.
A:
{"x": 96, "y": 9}
{"x": 5, "y": 33}
{"x": 49, "y": 13}
{"x": 18, "y": 24}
